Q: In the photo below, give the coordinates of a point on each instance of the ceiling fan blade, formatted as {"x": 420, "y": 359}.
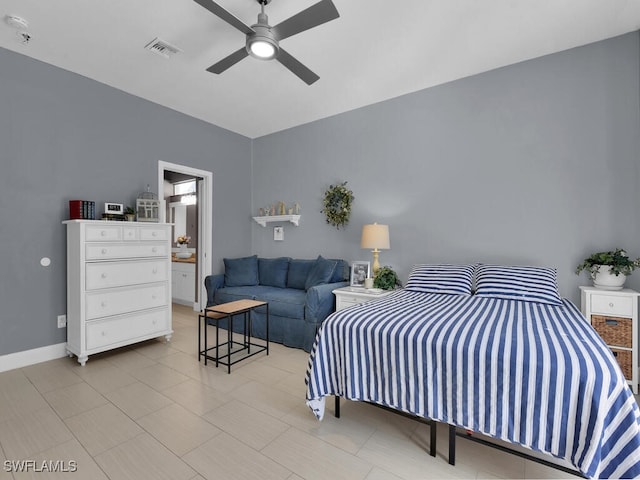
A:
{"x": 228, "y": 61}
{"x": 322, "y": 12}
{"x": 296, "y": 67}
{"x": 231, "y": 19}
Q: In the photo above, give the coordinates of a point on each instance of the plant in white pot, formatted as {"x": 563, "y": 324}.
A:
{"x": 609, "y": 270}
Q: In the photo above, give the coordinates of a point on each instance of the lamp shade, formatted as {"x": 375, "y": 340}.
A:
{"x": 375, "y": 236}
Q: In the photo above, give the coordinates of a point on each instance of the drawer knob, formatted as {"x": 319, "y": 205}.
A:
{"x": 154, "y": 249}
{"x": 153, "y": 297}
{"x": 154, "y": 271}
{"x": 154, "y": 234}
{"x": 131, "y": 234}
{"x": 104, "y": 275}
{"x": 103, "y": 304}
{"x": 104, "y": 334}
{"x": 104, "y": 250}
{"x": 103, "y": 233}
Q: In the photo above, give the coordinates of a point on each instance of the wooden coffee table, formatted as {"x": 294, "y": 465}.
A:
{"x": 238, "y": 350}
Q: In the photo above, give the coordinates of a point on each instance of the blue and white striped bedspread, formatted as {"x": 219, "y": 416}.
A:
{"x": 532, "y": 374}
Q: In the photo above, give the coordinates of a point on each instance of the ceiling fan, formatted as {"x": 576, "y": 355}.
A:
{"x": 263, "y": 40}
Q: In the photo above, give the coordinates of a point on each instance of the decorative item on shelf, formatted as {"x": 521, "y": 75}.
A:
{"x": 148, "y": 206}
{"x": 129, "y": 214}
{"x": 282, "y": 208}
{"x": 386, "y": 279}
{"x": 183, "y": 242}
{"x": 296, "y": 208}
{"x": 359, "y": 273}
{"x": 375, "y": 237}
{"x": 337, "y": 205}
{"x": 609, "y": 270}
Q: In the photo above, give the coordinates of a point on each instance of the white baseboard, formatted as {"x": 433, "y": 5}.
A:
{"x": 31, "y": 357}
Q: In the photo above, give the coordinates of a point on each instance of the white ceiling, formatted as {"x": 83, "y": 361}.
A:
{"x": 375, "y": 51}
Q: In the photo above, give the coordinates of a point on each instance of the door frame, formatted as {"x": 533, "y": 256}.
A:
{"x": 205, "y": 221}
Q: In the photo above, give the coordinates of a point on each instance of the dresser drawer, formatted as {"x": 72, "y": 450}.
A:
{"x": 103, "y": 233}
{"x": 106, "y": 251}
{"x": 116, "y": 274}
{"x": 615, "y": 331}
{"x": 153, "y": 233}
{"x": 101, "y": 333}
{"x": 115, "y": 302}
{"x": 612, "y": 305}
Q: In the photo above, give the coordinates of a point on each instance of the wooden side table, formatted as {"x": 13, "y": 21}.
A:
{"x": 241, "y": 350}
{"x": 348, "y": 296}
{"x": 614, "y": 315}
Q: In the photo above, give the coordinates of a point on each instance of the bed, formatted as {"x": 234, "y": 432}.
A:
{"x": 526, "y": 368}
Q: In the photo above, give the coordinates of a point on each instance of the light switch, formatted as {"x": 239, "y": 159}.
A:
{"x": 278, "y": 234}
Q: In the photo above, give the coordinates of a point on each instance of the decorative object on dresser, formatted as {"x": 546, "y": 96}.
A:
{"x": 148, "y": 206}
{"x": 130, "y": 214}
{"x": 614, "y": 315}
{"x": 337, "y": 205}
{"x": 375, "y": 237}
{"x": 609, "y": 270}
{"x": 82, "y": 210}
{"x": 349, "y": 296}
{"x": 118, "y": 289}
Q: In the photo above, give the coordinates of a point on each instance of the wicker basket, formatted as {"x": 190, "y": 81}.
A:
{"x": 615, "y": 331}
{"x": 624, "y": 360}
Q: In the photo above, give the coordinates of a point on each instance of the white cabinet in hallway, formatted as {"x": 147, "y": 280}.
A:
{"x": 183, "y": 283}
{"x": 118, "y": 289}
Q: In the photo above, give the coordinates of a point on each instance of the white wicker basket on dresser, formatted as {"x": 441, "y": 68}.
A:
{"x": 118, "y": 284}
{"x": 614, "y": 315}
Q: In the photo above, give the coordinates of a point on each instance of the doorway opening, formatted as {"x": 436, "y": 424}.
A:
{"x": 187, "y": 194}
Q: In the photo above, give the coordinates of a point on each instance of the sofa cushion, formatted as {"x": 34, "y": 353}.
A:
{"x": 342, "y": 271}
{"x": 272, "y": 272}
{"x": 298, "y": 272}
{"x": 321, "y": 272}
{"x": 284, "y": 302}
{"x": 241, "y": 271}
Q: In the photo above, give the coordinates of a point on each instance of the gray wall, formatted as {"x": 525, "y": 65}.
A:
{"x": 534, "y": 163}
{"x": 63, "y": 136}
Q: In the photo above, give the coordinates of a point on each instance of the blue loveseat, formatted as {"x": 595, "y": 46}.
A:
{"x": 299, "y": 293}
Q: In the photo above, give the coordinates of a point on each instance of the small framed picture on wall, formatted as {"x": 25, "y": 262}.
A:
{"x": 359, "y": 271}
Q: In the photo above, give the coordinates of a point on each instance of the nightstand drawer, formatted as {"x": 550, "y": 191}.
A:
{"x": 615, "y": 331}
{"x": 612, "y": 305}
{"x": 624, "y": 358}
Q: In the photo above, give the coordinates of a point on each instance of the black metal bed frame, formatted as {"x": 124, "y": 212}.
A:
{"x": 455, "y": 432}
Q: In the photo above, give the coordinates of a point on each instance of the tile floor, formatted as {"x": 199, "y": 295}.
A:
{"x": 153, "y": 411}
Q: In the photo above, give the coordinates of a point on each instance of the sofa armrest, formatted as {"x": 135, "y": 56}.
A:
{"x": 212, "y": 283}
{"x": 320, "y": 302}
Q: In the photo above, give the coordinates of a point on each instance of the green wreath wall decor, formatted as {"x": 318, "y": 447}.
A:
{"x": 337, "y": 205}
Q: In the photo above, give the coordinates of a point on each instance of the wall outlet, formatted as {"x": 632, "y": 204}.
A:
{"x": 62, "y": 321}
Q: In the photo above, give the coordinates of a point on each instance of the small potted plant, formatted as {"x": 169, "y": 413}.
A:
{"x": 609, "y": 270}
{"x": 129, "y": 214}
{"x": 386, "y": 279}
{"x": 183, "y": 242}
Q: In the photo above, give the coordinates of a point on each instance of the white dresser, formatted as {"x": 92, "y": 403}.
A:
{"x": 614, "y": 315}
{"x": 118, "y": 284}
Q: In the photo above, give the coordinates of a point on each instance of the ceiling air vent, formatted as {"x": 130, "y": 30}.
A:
{"x": 162, "y": 48}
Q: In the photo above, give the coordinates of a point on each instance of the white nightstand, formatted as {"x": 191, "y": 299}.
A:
{"x": 348, "y": 296}
{"x": 614, "y": 315}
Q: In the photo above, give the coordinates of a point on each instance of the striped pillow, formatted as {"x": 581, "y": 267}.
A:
{"x": 442, "y": 278}
{"x": 526, "y": 283}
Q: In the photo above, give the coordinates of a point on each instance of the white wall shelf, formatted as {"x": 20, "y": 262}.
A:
{"x": 295, "y": 219}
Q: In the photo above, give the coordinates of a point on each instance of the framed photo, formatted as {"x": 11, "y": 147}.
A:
{"x": 359, "y": 271}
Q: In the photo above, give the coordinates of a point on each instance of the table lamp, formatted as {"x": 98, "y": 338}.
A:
{"x": 376, "y": 237}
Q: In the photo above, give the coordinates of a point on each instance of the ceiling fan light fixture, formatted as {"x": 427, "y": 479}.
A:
{"x": 262, "y": 49}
